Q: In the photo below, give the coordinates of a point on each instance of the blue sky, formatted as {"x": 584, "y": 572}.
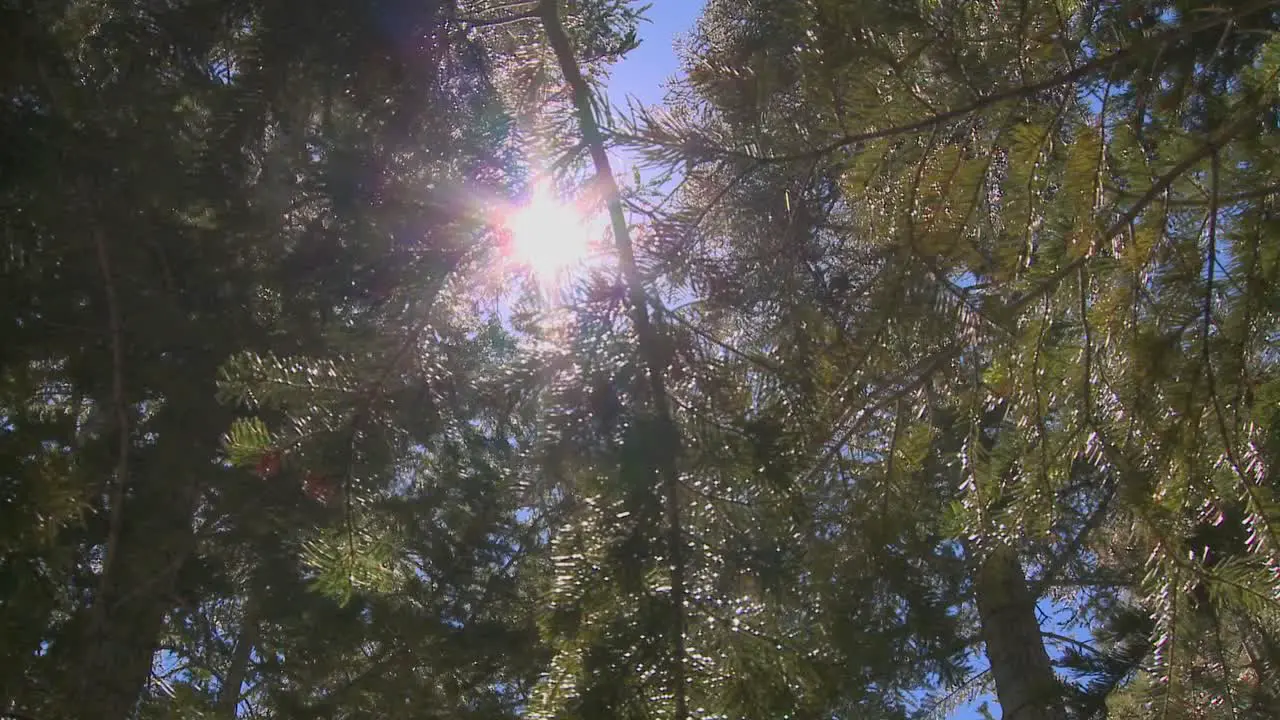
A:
{"x": 644, "y": 71}
{"x": 642, "y": 75}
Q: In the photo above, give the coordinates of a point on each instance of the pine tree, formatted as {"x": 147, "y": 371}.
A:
{"x": 957, "y": 310}
{"x": 200, "y": 194}
{"x": 959, "y": 189}
{"x": 744, "y": 650}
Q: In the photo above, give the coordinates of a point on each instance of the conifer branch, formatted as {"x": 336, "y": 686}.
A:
{"x": 647, "y": 338}
{"x": 1220, "y": 649}
{"x": 512, "y": 4}
{"x": 1209, "y": 271}
{"x": 944, "y": 706}
{"x": 1050, "y": 575}
{"x": 1063, "y": 639}
{"x": 1046, "y": 286}
{"x": 697, "y": 416}
{"x": 716, "y": 498}
{"x": 1256, "y": 507}
{"x": 1037, "y": 388}
{"x": 1184, "y": 202}
{"x": 753, "y": 359}
{"x": 497, "y": 22}
{"x": 1131, "y": 215}
{"x": 1065, "y": 78}
{"x": 934, "y": 363}
{"x": 691, "y": 226}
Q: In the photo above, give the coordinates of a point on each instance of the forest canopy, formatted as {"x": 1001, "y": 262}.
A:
{"x": 370, "y": 359}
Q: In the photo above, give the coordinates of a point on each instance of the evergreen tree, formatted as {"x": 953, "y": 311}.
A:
{"x": 933, "y": 315}
{"x": 996, "y": 207}
{"x": 197, "y": 191}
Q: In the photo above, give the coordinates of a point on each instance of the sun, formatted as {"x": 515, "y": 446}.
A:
{"x": 549, "y": 236}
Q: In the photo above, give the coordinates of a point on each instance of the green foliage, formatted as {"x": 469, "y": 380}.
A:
{"x": 1020, "y": 220}
{"x": 923, "y": 284}
{"x": 247, "y": 442}
{"x": 347, "y": 562}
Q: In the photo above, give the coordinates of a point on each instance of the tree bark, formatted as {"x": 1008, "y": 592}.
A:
{"x": 1025, "y": 683}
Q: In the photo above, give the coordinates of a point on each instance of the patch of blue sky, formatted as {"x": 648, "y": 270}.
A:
{"x": 643, "y": 76}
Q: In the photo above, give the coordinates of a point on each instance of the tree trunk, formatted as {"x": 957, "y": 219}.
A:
{"x": 1025, "y": 684}
{"x": 649, "y": 343}
{"x": 125, "y": 622}
{"x": 229, "y": 692}
{"x": 105, "y": 666}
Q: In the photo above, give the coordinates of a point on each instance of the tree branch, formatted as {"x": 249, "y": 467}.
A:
{"x": 1091, "y": 523}
{"x": 496, "y": 22}
{"x": 947, "y": 354}
{"x": 756, "y": 360}
{"x": 1211, "y": 146}
{"x": 1256, "y": 194}
{"x": 1070, "y": 76}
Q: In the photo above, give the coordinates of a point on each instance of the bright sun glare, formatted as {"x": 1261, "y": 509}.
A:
{"x": 550, "y": 237}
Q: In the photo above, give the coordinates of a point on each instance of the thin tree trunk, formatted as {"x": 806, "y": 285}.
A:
{"x": 106, "y": 664}
{"x": 1025, "y": 683}
{"x": 116, "y": 650}
{"x": 120, "y": 479}
{"x": 229, "y": 692}
{"x": 650, "y": 347}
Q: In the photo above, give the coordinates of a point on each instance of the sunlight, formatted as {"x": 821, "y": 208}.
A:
{"x": 548, "y": 236}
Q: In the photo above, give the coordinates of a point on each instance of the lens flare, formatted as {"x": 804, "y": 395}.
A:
{"x": 549, "y": 236}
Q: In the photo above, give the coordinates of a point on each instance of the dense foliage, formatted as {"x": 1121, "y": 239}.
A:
{"x": 929, "y": 356}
